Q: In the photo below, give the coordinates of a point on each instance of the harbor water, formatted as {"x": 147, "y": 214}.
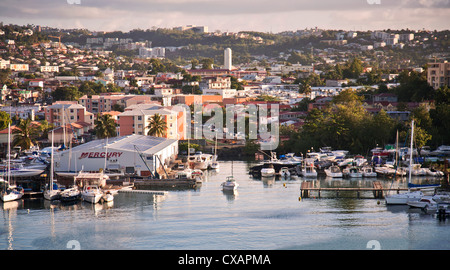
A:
{"x": 264, "y": 214}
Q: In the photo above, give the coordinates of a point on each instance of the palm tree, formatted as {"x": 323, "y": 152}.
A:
{"x": 157, "y": 126}
{"x": 25, "y": 134}
{"x": 105, "y": 126}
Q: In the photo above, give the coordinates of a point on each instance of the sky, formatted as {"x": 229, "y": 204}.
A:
{"x": 230, "y": 15}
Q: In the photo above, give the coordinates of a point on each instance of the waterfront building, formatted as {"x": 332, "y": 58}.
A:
{"x": 127, "y": 153}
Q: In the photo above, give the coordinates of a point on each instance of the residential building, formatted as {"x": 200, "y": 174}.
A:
{"x": 215, "y": 83}
{"x": 438, "y": 74}
{"x": 49, "y": 68}
{"x": 67, "y": 112}
{"x": 136, "y": 119}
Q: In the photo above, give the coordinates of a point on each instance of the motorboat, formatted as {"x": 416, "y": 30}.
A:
{"x": 107, "y": 196}
{"x": 433, "y": 172}
{"x": 424, "y": 202}
{"x": 333, "y": 171}
{"x": 70, "y": 194}
{"x": 404, "y": 198}
{"x": 200, "y": 161}
{"x": 268, "y": 171}
{"x": 92, "y": 194}
{"x": 215, "y": 165}
{"x": 368, "y": 171}
{"x": 230, "y": 184}
{"x": 417, "y": 170}
{"x": 354, "y": 172}
{"x": 309, "y": 171}
{"x": 284, "y": 172}
{"x": 21, "y": 171}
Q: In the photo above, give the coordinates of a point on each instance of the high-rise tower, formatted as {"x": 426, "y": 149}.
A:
{"x": 227, "y": 59}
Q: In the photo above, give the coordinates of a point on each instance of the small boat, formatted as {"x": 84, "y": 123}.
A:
{"x": 368, "y": 171}
{"x": 70, "y": 194}
{"x": 424, "y": 202}
{"x": 92, "y": 194}
{"x": 10, "y": 193}
{"x": 354, "y": 172}
{"x": 284, "y": 172}
{"x": 107, "y": 196}
{"x": 230, "y": 184}
{"x": 433, "y": 172}
{"x": 333, "y": 171}
{"x": 215, "y": 165}
{"x": 417, "y": 170}
{"x": 309, "y": 171}
{"x": 268, "y": 171}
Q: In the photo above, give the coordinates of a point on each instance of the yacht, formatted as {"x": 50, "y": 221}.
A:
{"x": 333, "y": 171}
{"x": 268, "y": 171}
{"x": 309, "y": 171}
{"x": 368, "y": 172}
{"x": 92, "y": 194}
{"x": 200, "y": 161}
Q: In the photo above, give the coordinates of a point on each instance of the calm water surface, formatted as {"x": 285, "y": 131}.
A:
{"x": 264, "y": 214}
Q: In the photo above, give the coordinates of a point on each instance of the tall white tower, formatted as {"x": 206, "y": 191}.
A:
{"x": 227, "y": 59}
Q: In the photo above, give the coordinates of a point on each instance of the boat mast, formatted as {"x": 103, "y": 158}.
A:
{"x": 51, "y": 165}
{"x": 8, "y": 175}
{"x": 411, "y": 153}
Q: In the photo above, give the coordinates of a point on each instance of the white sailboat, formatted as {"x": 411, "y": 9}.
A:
{"x": 410, "y": 196}
{"x": 215, "y": 164}
{"x": 10, "y": 193}
{"x": 50, "y": 193}
{"x": 230, "y": 184}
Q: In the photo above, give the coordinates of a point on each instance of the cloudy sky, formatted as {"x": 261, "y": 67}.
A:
{"x": 229, "y": 15}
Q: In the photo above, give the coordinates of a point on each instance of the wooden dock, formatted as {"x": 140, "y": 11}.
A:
{"x": 166, "y": 183}
{"x": 377, "y": 189}
{"x": 141, "y": 191}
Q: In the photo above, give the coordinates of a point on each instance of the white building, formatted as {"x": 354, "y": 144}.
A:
{"x": 49, "y": 68}
{"x": 225, "y": 93}
{"x": 119, "y": 152}
{"x": 228, "y": 59}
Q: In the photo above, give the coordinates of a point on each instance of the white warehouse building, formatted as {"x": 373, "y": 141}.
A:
{"x": 119, "y": 153}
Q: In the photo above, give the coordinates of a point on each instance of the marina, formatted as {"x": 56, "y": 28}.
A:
{"x": 264, "y": 213}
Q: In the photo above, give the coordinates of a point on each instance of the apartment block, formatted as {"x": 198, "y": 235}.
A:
{"x": 438, "y": 74}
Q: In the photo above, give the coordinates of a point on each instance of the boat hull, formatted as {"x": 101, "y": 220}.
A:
{"x": 91, "y": 197}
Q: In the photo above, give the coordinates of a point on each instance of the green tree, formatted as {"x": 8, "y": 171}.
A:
{"x": 157, "y": 126}
{"x": 5, "y": 119}
{"x": 66, "y": 93}
{"x": 105, "y": 126}
{"x": 25, "y": 134}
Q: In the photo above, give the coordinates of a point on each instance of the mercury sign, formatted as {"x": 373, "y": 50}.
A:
{"x": 100, "y": 155}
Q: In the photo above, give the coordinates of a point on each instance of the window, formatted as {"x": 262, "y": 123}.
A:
{"x": 139, "y": 117}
